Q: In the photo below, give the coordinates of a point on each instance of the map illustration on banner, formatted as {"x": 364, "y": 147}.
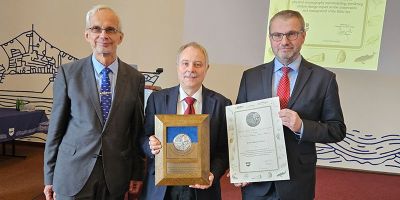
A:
{"x": 25, "y": 58}
{"x": 340, "y": 33}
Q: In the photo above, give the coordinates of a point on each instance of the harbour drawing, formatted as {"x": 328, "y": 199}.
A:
{"x": 28, "y": 57}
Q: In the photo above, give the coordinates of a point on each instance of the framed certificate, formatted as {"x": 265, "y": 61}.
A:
{"x": 257, "y": 150}
{"x": 184, "y": 158}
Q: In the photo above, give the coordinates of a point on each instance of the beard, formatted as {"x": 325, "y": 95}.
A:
{"x": 286, "y": 56}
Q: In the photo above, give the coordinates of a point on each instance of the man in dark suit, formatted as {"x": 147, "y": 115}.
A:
{"x": 192, "y": 66}
{"x": 311, "y": 114}
{"x": 92, "y": 144}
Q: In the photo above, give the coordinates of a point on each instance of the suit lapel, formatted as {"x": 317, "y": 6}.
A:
{"x": 266, "y": 75}
{"x": 120, "y": 86}
{"x": 208, "y": 102}
{"x": 302, "y": 77}
{"x": 171, "y": 100}
{"x": 92, "y": 87}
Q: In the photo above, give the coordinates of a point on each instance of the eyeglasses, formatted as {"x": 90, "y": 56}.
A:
{"x": 108, "y": 30}
{"x": 292, "y": 35}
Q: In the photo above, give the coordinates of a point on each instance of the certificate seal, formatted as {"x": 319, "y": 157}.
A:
{"x": 182, "y": 142}
{"x": 253, "y": 119}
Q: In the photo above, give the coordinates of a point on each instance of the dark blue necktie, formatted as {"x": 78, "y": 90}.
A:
{"x": 105, "y": 93}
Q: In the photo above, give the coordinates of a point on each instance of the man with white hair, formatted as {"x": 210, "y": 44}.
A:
{"x": 92, "y": 148}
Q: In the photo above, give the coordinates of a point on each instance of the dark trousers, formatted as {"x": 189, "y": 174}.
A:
{"x": 179, "y": 193}
{"x": 272, "y": 194}
{"x": 95, "y": 188}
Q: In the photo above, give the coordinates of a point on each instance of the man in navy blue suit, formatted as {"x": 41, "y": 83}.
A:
{"x": 192, "y": 66}
{"x": 311, "y": 111}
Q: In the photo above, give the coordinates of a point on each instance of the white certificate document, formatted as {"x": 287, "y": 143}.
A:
{"x": 257, "y": 150}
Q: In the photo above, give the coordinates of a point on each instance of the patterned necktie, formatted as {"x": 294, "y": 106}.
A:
{"x": 105, "y": 93}
{"x": 283, "y": 91}
{"x": 190, "y": 109}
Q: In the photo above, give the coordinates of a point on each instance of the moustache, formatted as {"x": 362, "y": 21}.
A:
{"x": 190, "y": 75}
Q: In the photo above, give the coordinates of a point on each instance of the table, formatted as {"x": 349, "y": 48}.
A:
{"x": 18, "y": 124}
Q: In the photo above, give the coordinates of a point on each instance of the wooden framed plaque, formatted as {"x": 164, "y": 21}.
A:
{"x": 184, "y": 158}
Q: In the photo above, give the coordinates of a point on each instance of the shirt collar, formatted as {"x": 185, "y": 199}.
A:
{"x": 98, "y": 66}
{"x": 197, "y": 95}
{"x": 295, "y": 65}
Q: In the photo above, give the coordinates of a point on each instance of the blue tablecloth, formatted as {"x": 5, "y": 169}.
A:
{"x": 16, "y": 124}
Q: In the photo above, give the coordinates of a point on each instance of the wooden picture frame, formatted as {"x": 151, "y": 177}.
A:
{"x": 184, "y": 158}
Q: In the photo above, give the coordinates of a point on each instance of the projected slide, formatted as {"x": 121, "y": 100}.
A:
{"x": 340, "y": 33}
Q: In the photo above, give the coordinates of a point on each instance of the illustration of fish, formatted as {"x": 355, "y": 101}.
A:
{"x": 341, "y": 57}
{"x": 364, "y": 58}
{"x": 317, "y": 58}
{"x": 281, "y": 174}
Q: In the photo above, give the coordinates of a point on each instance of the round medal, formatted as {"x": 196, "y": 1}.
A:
{"x": 182, "y": 142}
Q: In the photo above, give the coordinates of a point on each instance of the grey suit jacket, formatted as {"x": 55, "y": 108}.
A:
{"x": 76, "y": 132}
{"x": 316, "y": 100}
{"x": 165, "y": 102}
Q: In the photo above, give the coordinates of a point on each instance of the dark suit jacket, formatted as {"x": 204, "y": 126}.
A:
{"x": 165, "y": 102}
{"x": 76, "y": 132}
{"x": 316, "y": 100}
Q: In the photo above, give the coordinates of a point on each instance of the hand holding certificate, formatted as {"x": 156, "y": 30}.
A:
{"x": 257, "y": 149}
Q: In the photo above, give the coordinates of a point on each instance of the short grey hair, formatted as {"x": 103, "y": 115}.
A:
{"x": 97, "y": 8}
{"x": 194, "y": 45}
{"x": 287, "y": 14}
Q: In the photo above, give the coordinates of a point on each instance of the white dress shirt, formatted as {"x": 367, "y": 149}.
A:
{"x": 182, "y": 105}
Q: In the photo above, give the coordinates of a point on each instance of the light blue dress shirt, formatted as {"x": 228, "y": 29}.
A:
{"x": 295, "y": 65}
{"x": 113, "y": 75}
{"x": 278, "y": 74}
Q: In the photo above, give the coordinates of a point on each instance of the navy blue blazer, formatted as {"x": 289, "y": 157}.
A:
{"x": 315, "y": 98}
{"x": 165, "y": 102}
